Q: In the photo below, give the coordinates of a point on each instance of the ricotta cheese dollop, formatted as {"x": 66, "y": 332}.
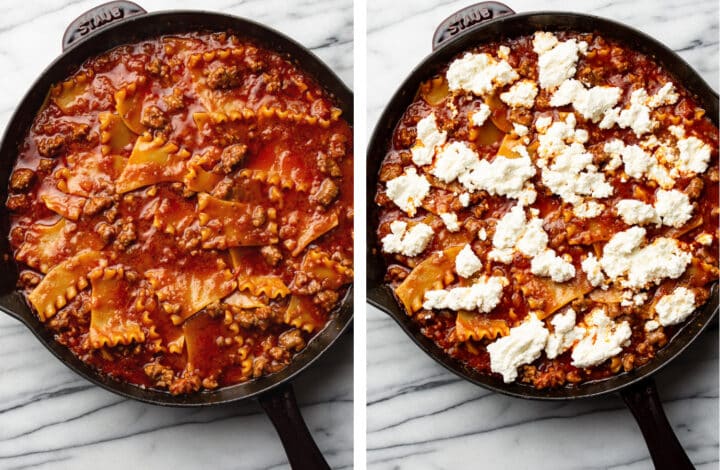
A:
{"x": 676, "y": 307}
{"x": 429, "y": 137}
{"x": 523, "y": 345}
{"x": 483, "y": 295}
{"x": 408, "y": 190}
{"x": 603, "y": 339}
{"x": 407, "y": 242}
{"x": 479, "y": 74}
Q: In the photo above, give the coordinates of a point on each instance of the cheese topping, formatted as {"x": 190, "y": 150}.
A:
{"x": 676, "y": 307}
{"x": 549, "y": 264}
{"x": 451, "y": 221}
{"x": 407, "y": 242}
{"x": 624, "y": 258}
{"x": 564, "y": 335}
{"x": 429, "y": 138}
{"x": 558, "y": 62}
{"x": 523, "y": 345}
{"x": 634, "y": 212}
{"x": 454, "y": 159}
{"x": 694, "y": 155}
{"x": 673, "y": 207}
{"x": 592, "y": 268}
{"x": 521, "y": 94}
{"x": 503, "y": 176}
{"x": 603, "y": 339}
{"x": 479, "y": 74}
{"x": 479, "y": 117}
{"x": 592, "y": 104}
{"x": 408, "y": 190}
{"x": 467, "y": 263}
{"x": 483, "y": 295}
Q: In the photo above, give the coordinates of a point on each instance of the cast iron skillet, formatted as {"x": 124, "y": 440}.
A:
{"x": 93, "y": 33}
{"x": 490, "y": 21}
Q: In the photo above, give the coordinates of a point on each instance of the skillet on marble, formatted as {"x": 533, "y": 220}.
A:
{"x": 101, "y": 29}
{"x": 485, "y": 22}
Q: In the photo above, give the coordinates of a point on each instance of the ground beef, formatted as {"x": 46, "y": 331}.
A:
{"x": 232, "y": 156}
{"x": 291, "y": 340}
{"x": 154, "y": 118}
{"x": 325, "y": 194}
{"x": 259, "y": 364}
{"x": 271, "y": 254}
{"x": 50, "y": 146}
{"x": 175, "y": 101}
{"x": 126, "y": 236}
{"x": 328, "y": 165}
{"x": 223, "y": 77}
{"x": 326, "y": 299}
{"x": 21, "y": 179}
{"x": 17, "y": 202}
{"x": 95, "y": 205}
{"x": 337, "y": 147}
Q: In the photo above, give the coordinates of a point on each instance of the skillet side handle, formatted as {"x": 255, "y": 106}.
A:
{"x": 98, "y": 17}
{"x": 466, "y": 18}
{"x": 282, "y": 409}
{"x": 665, "y": 449}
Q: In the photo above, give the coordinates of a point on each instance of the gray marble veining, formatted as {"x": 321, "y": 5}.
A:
{"x": 52, "y": 419}
{"x": 422, "y": 417}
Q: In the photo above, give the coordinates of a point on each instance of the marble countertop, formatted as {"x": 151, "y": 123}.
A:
{"x": 424, "y": 417}
{"x": 52, "y": 419}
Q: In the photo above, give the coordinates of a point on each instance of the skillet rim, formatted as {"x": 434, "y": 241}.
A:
{"x": 383, "y": 298}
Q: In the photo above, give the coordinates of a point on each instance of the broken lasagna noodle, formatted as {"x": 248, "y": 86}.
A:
{"x": 549, "y": 208}
{"x": 182, "y": 212}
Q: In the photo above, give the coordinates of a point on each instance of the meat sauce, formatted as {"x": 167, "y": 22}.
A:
{"x": 606, "y": 63}
{"x": 213, "y": 178}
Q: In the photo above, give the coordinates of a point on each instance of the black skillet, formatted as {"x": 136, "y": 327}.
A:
{"x": 491, "y": 21}
{"x": 93, "y": 33}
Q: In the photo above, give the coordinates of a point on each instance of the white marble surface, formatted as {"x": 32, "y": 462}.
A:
{"x": 52, "y": 419}
{"x": 422, "y": 417}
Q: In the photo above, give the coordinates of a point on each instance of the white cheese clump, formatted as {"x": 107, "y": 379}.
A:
{"x": 573, "y": 175}
{"x": 542, "y": 123}
{"x": 637, "y": 162}
{"x": 479, "y": 117}
{"x": 453, "y": 160}
{"x": 464, "y": 199}
{"x": 503, "y": 176}
{"x": 651, "y": 325}
{"x": 407, "y": 242}
{"x": 694, "y": 155}
{"x": 665, "y": 95}
{"x": 408, "y": 190}
{"x": 523, "y": 345}
{"x": 673, "y": 207}
{"x": 592, "y": 103}
{"x": 482, "y": 235}
{"x": 588, "y": 209}
{"x": 704, "y": 239}
{"x": 467, "y": 263}
{"x": 549, "y": 264}
{"x": 623, "y": 257}
{"x": 557, "y": 61}
{"x": 429, "y": 138}
{"x": 451, "y": 221}
{"x": 521, "y": 94}
{"x": 603, "y": 339}
{"x": 514, "y": 232}
{"x": 479, "y": 74}
{"x": 634, "y": 212}
{"x": 593, "y": 270}
{"x": 564, "y": 335}
{"x": 483, "y": 295}
{"x": 520, "y": 130}
{"x": 676, "y": 307}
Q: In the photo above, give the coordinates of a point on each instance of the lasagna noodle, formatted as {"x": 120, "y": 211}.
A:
{"x": 473, "y": 325}
{"x": 553, "y": 295}
{"x": 228, "y": 224}
{"x": 66, "y": 205}
{"x": 434, "y": 272}
{"x": 63, "y": 282}
{"x": 129, "y": 104}
{"x": 88, "y": 173}
{"x": 115, "y": 136}
{"x": 113, "y": 305}
{"x": 67, "y": 94}
{"x": 153, "y": 160}
{"x": 314, "y": 226}
{"x": 185, "y": 291}
{"x": 304, "y": 314}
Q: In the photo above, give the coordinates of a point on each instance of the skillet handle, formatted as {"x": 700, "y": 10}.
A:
{"x": 282, "y": 409}
{"x": 96, "y": 18}
{"x": 464, "y": 19}
{"x": 665, "y": 449}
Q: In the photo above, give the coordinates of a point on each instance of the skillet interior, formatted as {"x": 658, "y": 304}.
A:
{"x": 382, "y": 297}
{"x": 130, "y": 30}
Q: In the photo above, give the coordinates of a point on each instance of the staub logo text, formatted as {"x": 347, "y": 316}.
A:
{"x": 99, "y": 19}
